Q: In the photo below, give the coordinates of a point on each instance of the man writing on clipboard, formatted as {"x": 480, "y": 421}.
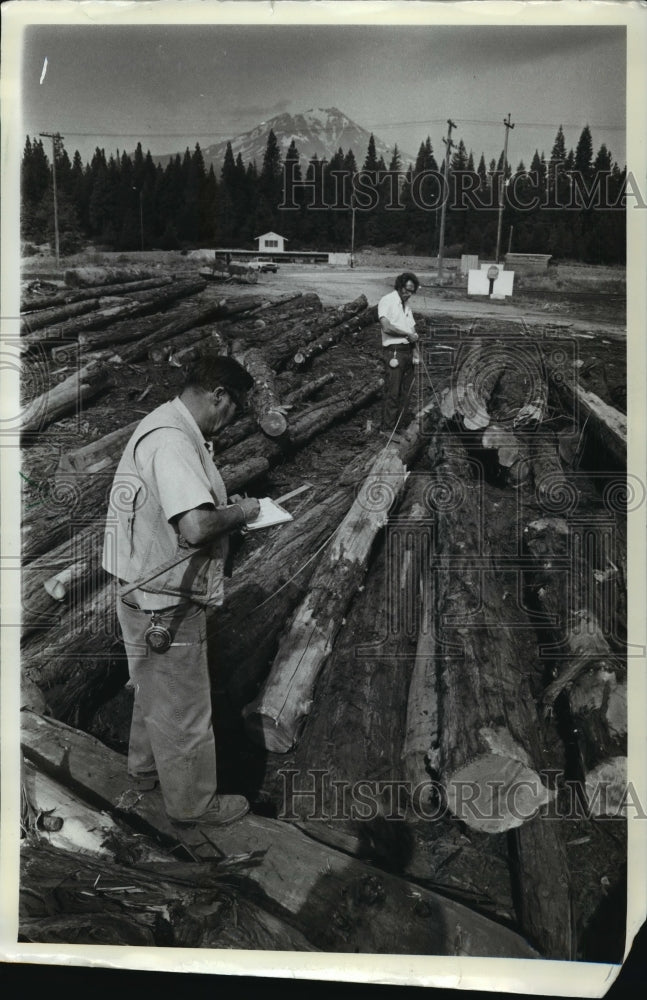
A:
{"x": 169, "y": 506}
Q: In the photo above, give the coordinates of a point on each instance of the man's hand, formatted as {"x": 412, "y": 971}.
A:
{"x": 412, "y": 337}
{"x": 250, "y": 507}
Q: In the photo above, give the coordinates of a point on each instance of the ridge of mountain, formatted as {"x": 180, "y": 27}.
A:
{"x": 316, "y": 132}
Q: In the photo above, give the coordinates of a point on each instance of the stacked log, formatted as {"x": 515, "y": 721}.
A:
{"x": 31, "y": 306}
{"x": 276, "y": 716}
{"x": 100, "y": 319}
{"x": 82, "y": 277}
{"x": 590, "y": 672}
{"x": 337, "y": 903}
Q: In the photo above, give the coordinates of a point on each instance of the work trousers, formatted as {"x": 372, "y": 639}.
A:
{"x": 398, "y": 387}
{"x": 171, "y": 734}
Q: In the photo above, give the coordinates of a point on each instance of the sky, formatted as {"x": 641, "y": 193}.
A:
{"x": 172, "y": 86}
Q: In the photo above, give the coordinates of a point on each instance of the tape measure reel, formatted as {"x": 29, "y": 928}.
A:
{"x": 393, "y": 362}
{"x": 157, "y": 637}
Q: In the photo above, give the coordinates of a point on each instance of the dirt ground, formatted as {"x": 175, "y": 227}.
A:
{"x": 577, "y": 311}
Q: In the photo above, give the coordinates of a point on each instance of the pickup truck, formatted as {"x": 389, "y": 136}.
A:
{"x": 259, "y": 264}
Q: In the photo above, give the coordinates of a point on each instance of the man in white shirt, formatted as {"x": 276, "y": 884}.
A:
{"x": 399, "y": 340}
{"x": 168, "y": 501}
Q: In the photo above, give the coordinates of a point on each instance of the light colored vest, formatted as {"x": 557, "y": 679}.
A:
{"x": 138, "y": 536}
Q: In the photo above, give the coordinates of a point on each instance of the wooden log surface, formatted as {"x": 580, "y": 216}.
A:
{"x": 605, "y": 424}
{"x": 265, "y": 401}
{"x": 275, "y": 717}
{"x": 489, "y": 725}
{"x": 34, "y": 304}
{"x": 305, "y": 354}
{"x": 193, "y": 338}
{"x": 281, "y": 349}
{"x": 100, "y": 319}
{"x": 66, "y": 396}
{"x": 57, "y": 314}
{"x": 338, "y": 903}
{"x": 82, "y": 277}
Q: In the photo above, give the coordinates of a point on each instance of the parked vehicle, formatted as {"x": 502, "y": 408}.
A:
{"x": 260, "y": 264}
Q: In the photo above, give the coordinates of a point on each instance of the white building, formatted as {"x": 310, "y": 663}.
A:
{"x": 271, "y": 243}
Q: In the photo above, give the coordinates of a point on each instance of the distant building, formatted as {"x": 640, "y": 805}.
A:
{"x": 271, "y": 242}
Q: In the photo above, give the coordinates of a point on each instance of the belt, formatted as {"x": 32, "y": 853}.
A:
{"x": 397, "y": 347}
{"x": 149, "y": 611}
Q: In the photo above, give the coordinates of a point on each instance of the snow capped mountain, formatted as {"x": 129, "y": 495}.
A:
{"x": 318, "y": 131}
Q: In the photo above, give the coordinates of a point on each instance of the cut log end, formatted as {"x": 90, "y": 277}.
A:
{"x": 273, "y": 423}
{"x": 495, "y": 793}
{"x": 263, "y": 730}
{"x": 606, "y": 788}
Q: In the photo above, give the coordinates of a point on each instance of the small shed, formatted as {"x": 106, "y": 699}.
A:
{"x": 271, "y": 243}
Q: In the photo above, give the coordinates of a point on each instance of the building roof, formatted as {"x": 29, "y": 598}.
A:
{"x": 272, "y": 234}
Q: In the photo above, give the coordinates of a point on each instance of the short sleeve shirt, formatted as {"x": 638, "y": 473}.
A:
{"x": 392, "y": 308}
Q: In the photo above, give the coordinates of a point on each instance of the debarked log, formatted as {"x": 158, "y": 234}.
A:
{"x": 275, "y": 717}
{"x": 99, "y": 455}
{"x": 338, "y": 903}
{"x": 488, "y": 755}
{"x": 66, "y": 396}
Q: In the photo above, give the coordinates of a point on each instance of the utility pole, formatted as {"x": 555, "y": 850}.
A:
{"x": 141, "y": 217}
{"x": 55, "y": 137}
{"x": 352, "y": 229}
{"x": 508, "y": 126}
{"x": 441, "y": 249}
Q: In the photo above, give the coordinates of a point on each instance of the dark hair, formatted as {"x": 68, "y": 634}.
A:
{"x": 211, "y": 370}
{"x": 403, "y": 278}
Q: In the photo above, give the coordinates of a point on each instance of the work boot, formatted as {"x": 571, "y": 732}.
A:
{"x": 225, "y": 809}
{"x": 144, "y": 782}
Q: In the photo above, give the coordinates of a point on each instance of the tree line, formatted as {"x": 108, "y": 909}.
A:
{"x": 569, "y": 204}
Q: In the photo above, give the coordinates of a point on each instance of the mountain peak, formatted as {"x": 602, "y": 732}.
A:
{"x": 316, "y": 132}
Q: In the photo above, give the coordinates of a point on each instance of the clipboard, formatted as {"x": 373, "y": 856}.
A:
{"x": 271, "y": 513}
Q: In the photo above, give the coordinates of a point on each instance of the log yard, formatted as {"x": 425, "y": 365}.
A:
{"x": 419, "y": 676}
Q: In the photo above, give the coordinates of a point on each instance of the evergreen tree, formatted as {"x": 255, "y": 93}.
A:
{"x": 584, "y": 154}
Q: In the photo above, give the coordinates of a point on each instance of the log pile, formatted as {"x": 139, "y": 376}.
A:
{"x": 395, "y": 637}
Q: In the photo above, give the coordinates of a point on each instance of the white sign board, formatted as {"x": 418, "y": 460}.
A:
{"x": 478, "y": 283}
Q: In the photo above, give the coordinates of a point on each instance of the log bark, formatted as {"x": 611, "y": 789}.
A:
{"x": 606, "y": 425}
{"x": 207, "y": 314}
{"x": 275, "y": 717}
{"x": 564, "y": 589}
{"x": 283, "y": 348}
{"x": 241, "y": 429}
{"x": 549, "y": 478}
{"x": 304, "y": 356}
{"x": 302, "y": 430}
{"x": 72, "y": 568}
{"x": 99, "y": 319}
{"x": 79, "y": 663}
{"x": 338, "y": 903}
{"x": 99, "y": 455}
{"x": 488, "y": 747}
{"x": 187, "y": 345}
{"x": 81, "y": 294}
{"x": 48, "y": 317}
{"x": 64, "y": 504}
{"x": 67, "y": 396}
{"x": 82, "y": 277}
